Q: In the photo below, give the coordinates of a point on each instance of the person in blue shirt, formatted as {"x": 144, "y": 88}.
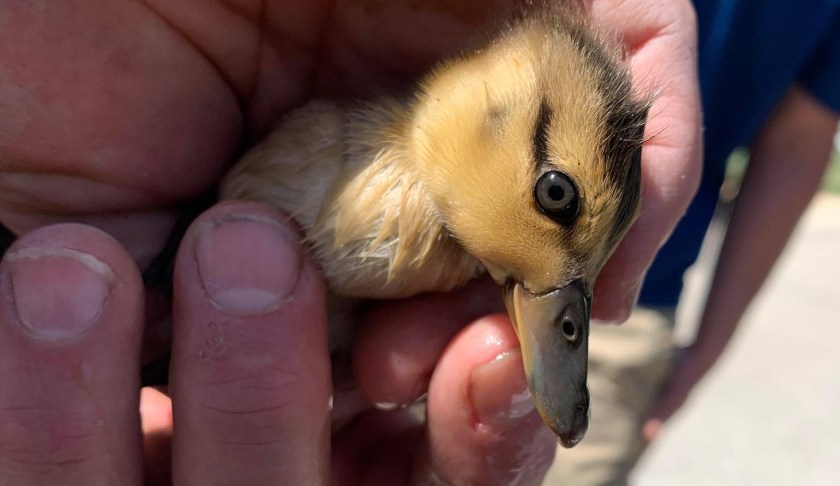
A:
{"x": 770, "y": 81}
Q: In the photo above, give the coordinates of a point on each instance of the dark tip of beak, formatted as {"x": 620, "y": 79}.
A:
{"x": 553, "y": 331}
{"x": 572, "y": 435}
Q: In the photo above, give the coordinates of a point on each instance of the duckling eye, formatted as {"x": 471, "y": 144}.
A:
{"x": 557, "y": 197}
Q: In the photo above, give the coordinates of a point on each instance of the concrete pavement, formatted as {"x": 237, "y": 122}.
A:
{"x": 769, "y": 414}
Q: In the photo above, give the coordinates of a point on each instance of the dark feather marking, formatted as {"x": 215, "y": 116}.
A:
{"x": 624, "y": 124}
{"x": 544, "y": 116}
{"x": 622, "y": 149}
{"x": 496, "y": 118}
{"x": 625, "y": 113}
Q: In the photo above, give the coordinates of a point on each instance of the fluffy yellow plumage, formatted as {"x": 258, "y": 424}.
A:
{"x": 521, "y": 158}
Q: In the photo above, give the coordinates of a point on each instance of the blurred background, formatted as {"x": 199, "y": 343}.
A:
{"x": 769, "y": 412}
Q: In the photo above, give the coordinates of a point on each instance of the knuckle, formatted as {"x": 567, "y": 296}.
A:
{"x": 690, "y": 16}
{"x": 45, "y": 439}
{"x": 251, "y": 406}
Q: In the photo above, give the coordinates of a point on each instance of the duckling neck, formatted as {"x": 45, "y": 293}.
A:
{"x": 381, "y": 236}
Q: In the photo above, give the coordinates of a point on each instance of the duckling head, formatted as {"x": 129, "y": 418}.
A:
{"x": 530, "y": 149}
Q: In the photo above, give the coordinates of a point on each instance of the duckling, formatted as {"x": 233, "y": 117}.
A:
{"x": 521, "y": 159}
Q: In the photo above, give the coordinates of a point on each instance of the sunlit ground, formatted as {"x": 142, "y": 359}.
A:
{"x": 770, "y": 412}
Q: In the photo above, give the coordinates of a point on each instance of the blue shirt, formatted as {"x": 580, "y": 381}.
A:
{"x": 750, "y": 53}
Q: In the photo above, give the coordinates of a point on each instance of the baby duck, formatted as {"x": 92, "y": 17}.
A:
{"x": 521, "y": 159}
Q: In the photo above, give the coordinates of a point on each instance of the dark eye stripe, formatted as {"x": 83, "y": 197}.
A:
{"x": 541, "y": 134}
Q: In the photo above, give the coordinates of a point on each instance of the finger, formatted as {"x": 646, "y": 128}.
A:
{"x": 377, "y": 449}
{"x": 482, "y": 424}
{"x": 70, "y": 329}
{"x": 401, "y": 341}
{"x": 673, "y": 397}
{"x": 653, "y": 425}
{"x": 661, "y": 40}
{"x": 368, "y": 49}
{"x": 250, "y": 376}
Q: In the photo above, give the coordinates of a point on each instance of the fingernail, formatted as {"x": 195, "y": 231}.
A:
{"x": 499, "y": 392}
{"x": 248, "y": 264}
{"x": 387, "y": 406}
{"x": 651, "y": 429}
{"x": 58, "y": 293}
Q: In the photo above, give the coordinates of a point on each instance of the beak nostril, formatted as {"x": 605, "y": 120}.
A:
{"x": 569, "y": 331}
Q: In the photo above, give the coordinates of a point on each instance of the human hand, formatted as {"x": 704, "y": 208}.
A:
{"x": 660, "y": 38}
{"x": 689, "y": 368}
{"x": 117, "y": 113}
{"x": 250, "y": 376}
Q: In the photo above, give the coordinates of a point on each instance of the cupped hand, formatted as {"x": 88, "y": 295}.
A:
{"x": 116, "y": 114}
{"x": 660, "y": 39}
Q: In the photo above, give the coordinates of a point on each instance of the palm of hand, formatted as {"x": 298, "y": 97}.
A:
{"x": 117, "y": 112}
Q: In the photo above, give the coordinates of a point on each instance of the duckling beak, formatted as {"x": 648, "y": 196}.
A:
{"x": 553, "y": 330}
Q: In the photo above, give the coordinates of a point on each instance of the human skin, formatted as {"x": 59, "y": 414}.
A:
{"x": 116, "y": 114}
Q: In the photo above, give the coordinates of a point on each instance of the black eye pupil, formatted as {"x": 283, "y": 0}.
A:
{"x": 569, "y": 330}
{"x": 557, "y": 197}
{"x": 556, "y": 193}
